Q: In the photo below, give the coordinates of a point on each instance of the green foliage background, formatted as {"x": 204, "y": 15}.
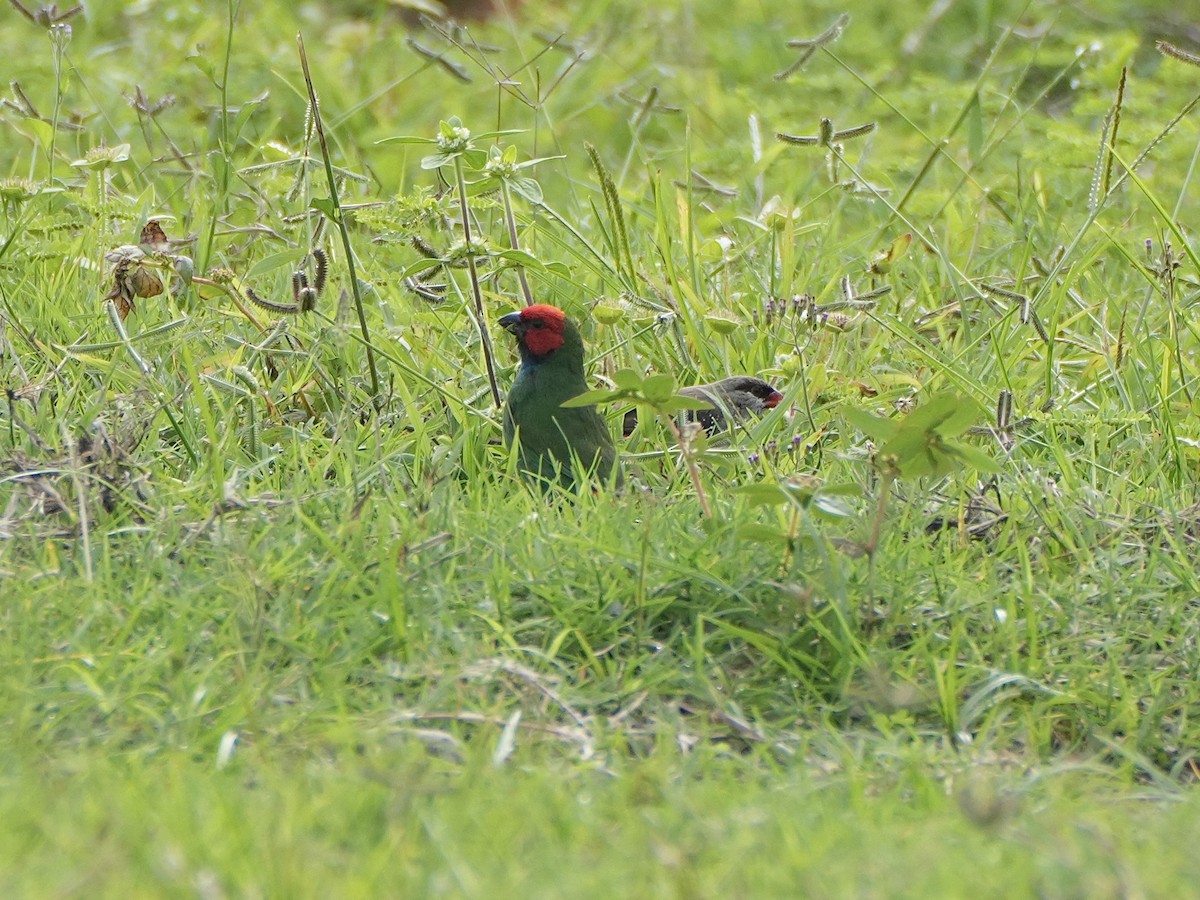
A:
{"x": 267, "y": 632}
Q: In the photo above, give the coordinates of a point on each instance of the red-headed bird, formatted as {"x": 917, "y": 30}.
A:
{"x": 730, "y": 398}
{"x": 551, "y": 439}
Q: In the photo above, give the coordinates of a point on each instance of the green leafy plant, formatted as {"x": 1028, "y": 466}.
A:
{"x": 656, "y": 393}
{"x": 925, "y": 442}
{"x": 495, "y": 168}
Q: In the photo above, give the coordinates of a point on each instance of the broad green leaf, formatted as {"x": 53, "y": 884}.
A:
{"x": 405, "y": 139}
{"x": 204, "y": 64}
{"x": 324, "y": 205}
{"x": 540, "y": 159}
{"x": 918, "y": 441}
{"x": 437, "y": 160}
{"x": 475, "y": 159}
{"x": 659, "y": 388}
{"x": 627, "y": 379}
{"x": 908, "y": 445}
{"x": 875, "y": 427}
{"x": 273, "y": 262}
{"x": 948, "y": 414}
{"x": 43, "y": 131}
{"x": 799, "y": 488}
{"x": 519, "y": 258}
{"x": 421, "y": 265}
{"x": 591, "y": 398}
{"x": 722, "y": 322}
{"x": 973, "y": 457}
{"x": 248, "y": 109}
{"x": 527, "y": 188}
{"x": 833, "y": 507}
{"x": 679, "y": 402}
{"x": 488, "y": 135}
{"x": 763, "y": 534}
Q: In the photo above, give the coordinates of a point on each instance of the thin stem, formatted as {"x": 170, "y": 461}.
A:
{"x": 232, "y": 15}
{"x": 234, "y": 296}
{"x": 123, "y": 336}
{"x": 85, "y": 523}
{"x": 885, "y": 489}
{"x": 340, "y": 221}
{"x": 689, "y": 460}
{"x": 512, "y": 240}
{"x": 480, "y": 319}
{"x": 56, "y": 38}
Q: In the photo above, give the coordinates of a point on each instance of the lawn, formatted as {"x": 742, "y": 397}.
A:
{"x": 280, "y": 616}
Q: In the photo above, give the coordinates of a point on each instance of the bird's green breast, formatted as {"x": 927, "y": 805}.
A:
{"x": 548, "y": 434}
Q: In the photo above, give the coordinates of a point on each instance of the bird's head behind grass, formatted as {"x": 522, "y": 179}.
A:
{"x": 735, "y": 398}
{"x": 542, "y": 331}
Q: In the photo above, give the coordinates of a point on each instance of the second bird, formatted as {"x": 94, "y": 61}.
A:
{"x": 730, "y": 398}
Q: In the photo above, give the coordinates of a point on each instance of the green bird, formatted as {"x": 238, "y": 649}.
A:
{"x": 552, "y": 440}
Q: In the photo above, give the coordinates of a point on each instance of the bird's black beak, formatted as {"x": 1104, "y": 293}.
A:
{"x": 511, "y": 323}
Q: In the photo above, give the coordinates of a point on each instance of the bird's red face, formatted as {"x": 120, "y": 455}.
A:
{"x": 539, "y": 328}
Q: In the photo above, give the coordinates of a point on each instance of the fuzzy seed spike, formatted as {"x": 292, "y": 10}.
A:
{"x": 321, "y": 263}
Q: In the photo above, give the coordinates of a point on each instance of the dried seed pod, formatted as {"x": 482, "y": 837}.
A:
{"x": 145, "y": 282}
{"x": 153, "y": 239}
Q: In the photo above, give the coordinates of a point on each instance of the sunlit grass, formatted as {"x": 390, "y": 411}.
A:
{"x": 271, "y": 630}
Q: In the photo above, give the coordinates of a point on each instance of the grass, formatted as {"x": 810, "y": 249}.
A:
{"x": 273, "y": 629}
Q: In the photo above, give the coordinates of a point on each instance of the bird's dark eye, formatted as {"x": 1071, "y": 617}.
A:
{"x": 537, "y": 323}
